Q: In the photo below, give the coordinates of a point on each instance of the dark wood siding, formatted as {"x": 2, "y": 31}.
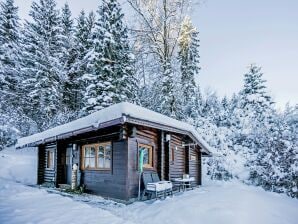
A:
{"x": 50, "y": 174}
{"x": 133, "y": 174}
{"x": 194, "y": 163}
{"x": 200, "y": 167}
{"x": 178, "y": 166}
{"x": 41, "y": 162}
{"x": 109, "y": 183}
{"x": 143, "y": 136}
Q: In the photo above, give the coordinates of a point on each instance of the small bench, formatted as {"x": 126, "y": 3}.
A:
{"x": 153, "y": 186}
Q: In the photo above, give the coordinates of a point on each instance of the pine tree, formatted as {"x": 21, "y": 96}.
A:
{"x": 9, "y": 61}
{"x": 110, "y": 79}
{"x": 255, "y": 117}
{"x": 255, "y": 98}
{"x": 82, "y": 46}
{"x": 168, "y": 105}
{"x": 68, "y": 59}
{"x": 42, "y": 43}
{"x": 189, "y": 62}
{"x": 11, "y": 119}
{"x": 67, "y": 37}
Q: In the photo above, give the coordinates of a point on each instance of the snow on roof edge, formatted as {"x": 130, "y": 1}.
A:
{"x": 115, "y": 111}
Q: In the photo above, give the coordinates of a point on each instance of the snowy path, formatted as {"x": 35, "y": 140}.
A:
{"x": 216, "y": 202}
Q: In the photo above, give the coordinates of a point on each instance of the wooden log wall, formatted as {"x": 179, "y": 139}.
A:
{"x": 200, "y": 167}
{"x": 143, "y": 136}
{"x": 50, "y": 173}
{"x": 194, "y": 163}
{"x": 110, "y": 183}
{"x": 41, "y": 166}
{"x": 177, "y": 167}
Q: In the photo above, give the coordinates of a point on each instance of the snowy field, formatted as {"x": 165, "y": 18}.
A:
{"x": 215, "y": 202}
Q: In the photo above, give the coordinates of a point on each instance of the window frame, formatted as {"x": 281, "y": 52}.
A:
{"x": 51, "y": 165}
{"x": 149, "y": 165}
{"x": 96, "y": 146}
{"x": 173, "y": 154}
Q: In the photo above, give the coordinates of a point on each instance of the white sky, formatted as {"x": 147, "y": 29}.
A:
{"x": 234, "y": 34}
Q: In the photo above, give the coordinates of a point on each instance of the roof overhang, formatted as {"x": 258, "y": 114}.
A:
{"x": 114, "y": 115}
{"x": 73, "y": 133}
{"x": 137, "y": 121}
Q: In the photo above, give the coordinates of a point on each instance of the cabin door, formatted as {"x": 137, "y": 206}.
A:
{"x": 194, "y": 164}
{"x": 68, "y": 163}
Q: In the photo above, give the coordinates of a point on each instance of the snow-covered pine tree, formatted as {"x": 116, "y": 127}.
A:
{"x": 255, "y": 116}
{"x": 82, "y": 45}
{"x": 280, "y": 172}
{"x": 255, "y": 99}
{"x": 83, "y": 33}
{"x": 168, "y": 101}
{"x": 189, "y": 65}
{"x": 9, "y": 47}
{"x": 43, "y": 70}
{"x": 69, "y": 55}
{"x": 11, "y": 120}
{"x": 110, "y": 79}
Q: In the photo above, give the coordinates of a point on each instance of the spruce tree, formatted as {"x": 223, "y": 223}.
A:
{"x": 82, "y": 46}
{"x": 168, "y": 105}
{"x": 69, "y": 55}
{"x": 255, "y": 117}
{"x": 12, "y": 123}
{"x": 189, "y": 66}
{"x": 43, "y": 70}
{"x": 110, "y": 79}
{"x": 9, "y": 51}
{"x": 255, "y": 98}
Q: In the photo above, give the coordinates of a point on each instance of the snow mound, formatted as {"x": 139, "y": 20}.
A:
{"x": 19, "y": 165}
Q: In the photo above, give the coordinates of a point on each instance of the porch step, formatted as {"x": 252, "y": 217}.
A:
{"x": 65, "y": 186}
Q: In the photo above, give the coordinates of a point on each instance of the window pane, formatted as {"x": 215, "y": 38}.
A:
{"x": 146, "y": 156}
{"x": 108, "y": 156}
{"x": 86, "y": 162}
{"x": 89, "y": 157}
{"x": 92, "y": 157}
{"x": 50, "y": 159}
{"x": 147, "y": 159}
{"x": 100, "y": 161}
{"x": 87, "y": 151}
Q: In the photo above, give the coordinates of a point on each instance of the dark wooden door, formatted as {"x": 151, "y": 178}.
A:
{"x": 68, "y": 163}
{"x": 194, "y": 164}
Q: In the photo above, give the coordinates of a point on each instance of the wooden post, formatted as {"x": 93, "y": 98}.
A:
{"x": 74, "y": 176}
{"x": 56, "y": 164}
{"x": 162, "y": 165}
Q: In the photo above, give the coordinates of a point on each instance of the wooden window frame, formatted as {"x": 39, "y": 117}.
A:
{"x": 173, "y": 154}
{"x": 149, "y": 165}
{"x": 50, "y": 165}
{"x": 96, "y": 146}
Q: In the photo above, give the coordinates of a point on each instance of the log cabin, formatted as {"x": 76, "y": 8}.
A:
{"x": 105, "y": 147}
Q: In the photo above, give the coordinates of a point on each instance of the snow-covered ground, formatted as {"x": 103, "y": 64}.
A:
{"x": 215, "y": 202}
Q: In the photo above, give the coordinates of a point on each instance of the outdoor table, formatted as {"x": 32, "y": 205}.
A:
{"x": 184, "y": 182}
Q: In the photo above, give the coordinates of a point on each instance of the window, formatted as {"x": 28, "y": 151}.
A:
{"x": 172, "y": 154}
{"x": 97, "y": 156}
{"x": 50, "y": 159}
{"x": 148, "y": 155}
{"x": 193, "y": 157}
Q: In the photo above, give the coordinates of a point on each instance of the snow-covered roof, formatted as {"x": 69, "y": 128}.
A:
{"x": 115, "y": 112}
